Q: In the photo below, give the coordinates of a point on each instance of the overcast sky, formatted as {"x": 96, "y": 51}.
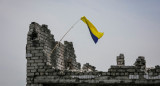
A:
{"x": 131, "y": 27}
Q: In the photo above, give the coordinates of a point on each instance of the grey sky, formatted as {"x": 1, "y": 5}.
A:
{"x": 131, "y": 27}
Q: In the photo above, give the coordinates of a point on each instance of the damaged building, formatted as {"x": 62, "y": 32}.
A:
{"x": 60, "y": 68}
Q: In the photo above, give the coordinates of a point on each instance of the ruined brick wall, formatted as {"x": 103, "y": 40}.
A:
{"x": 88, "y": 67}
{"x": 58, "y": 68}
{"x": 39, "y": 45}
{"x": 58, "y": 57}
{"x": 70, "y": 57}
{"x": 140, "y": 63}
{"x": 120, "y": 60}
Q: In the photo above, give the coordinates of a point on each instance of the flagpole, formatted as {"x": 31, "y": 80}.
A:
{"x": 64, "y": 36}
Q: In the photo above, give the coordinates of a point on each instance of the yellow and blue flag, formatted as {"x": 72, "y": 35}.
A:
{"x": 93, "y": 31}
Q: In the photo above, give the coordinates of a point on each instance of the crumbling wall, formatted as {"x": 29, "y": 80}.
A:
{"x": 88, "y": 67}
{"x": 40, "y": 60}
{"x": 120, "y": 60}
{"x": 70, "y": 57}
{"x": 57, "y": 57}
{"x": 39, "y": 45}
{"x": 58, "y": 68}
{"x": 121, "y": 70}
{"x": 140, "y": 63}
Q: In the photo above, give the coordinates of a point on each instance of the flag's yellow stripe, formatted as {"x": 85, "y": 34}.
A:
{"x": 92, "y": 27}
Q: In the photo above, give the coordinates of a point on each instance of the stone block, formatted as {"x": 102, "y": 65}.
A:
{"x": 121, "y": 70}
{"x": 32, "y": 48}
{"x": 28, "y": 71}
{"x": 108, "y": 73}
{"x": 36, "y": 67}
{"x": 56, "y": 73}
{"x": 38, "y": 60}
{"x": 155, "y": 74}
{"x": 28, "y": 55}
{"x": 122, "y": 74}
{"x": 41, "y": 45}
{"x": 36, "y": 73}
{"x": 41, "y": 70}
{"x": 34, "y": 70}
{"x": 41, "y": 74}
{"x": 35, "y": 58}
{"x": 114, "y": 66}
{"x": 131, "y": 70}
{"x": 30, "y": 74}
{"x": 113, "y": 74}
{"x": 31, "y": 67}
{"x": 40, "y": 67}
{"x": 46, "y": 74}
{"x": 50, "y": 74}
{"x": 34, "y": 85}
{"x": 39, "y": 54}
{"x": 158, "y": 70}
{"x": 28, "y": 79}
{"x": 33, "y": 64}
{"x": 50, "y": 70}
{"x": 28, "y": 84}
{"x": 104, "y": 73}
{"x": 28, "y": 51}
{"x": 117, "y": 74}
{"x": 28, "y": 64}
{"x": 135, "y": 73}
{"x": 39, "y": 48}
{"x": 35, "y": 51}
{"x": 30, "y": 61}
{"x": 41, "y": 64}
{"x": 40, "y": 84}
{"x": 126, "y": 73}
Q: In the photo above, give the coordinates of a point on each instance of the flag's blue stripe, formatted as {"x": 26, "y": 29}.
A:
{"x": 93, "y": 36}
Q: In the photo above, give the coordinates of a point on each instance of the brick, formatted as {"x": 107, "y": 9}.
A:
{"x": 36, "y": 67}
{"x": 30, "y": 67}
{"x": 36, "y": 73}
{"x": 157, "y": 70}
{"x": 35, "y": 58}
{"x": 35, "y": 51}
{"x": 39, "y": 54}
{"x": 41, "y": 70}
{"x": 28, "y": 71}
{"x": 33, "y": 70}
{"x": 30, "y": 61}
{"x": 126, "y": 73}
{"x": 38, "y": 60}
{"x": 28, "y": 84}
{"x": 40, "y": 67}
{"x": 41, "y": 45}
{"x": 30, "y": 74}
{"x": 46, "y": 73}
{"x": 104, "y": 74}
{"x": 28, "y": 55}
{"x": 33, "y": 64}
{"x": 122, "y": 74}
{"x": 39, "y": 48}
{"x": 34, "y": 85}
{"x": 28, "y": 51}
{"x": 40, "y": 84}
{"x": 41, "y": 64}
{"x": 28, "y": 64}
{"x": 32, "y": 48}
{"x": 108, "y": 73}
{"x": 41, "y": 74}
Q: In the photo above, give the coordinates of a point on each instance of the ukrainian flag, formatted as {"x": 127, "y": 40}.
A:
{"x": 93, "y": 31}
